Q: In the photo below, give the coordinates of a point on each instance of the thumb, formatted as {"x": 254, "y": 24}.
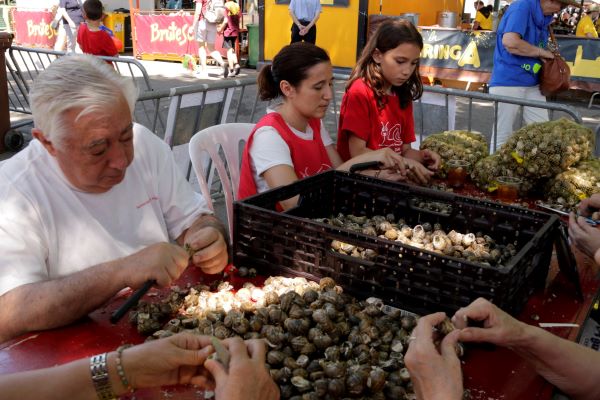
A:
{"x": 448, "y": 346}
{"x": 217, "y": 370}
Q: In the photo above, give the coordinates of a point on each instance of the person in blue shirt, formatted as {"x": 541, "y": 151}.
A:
{"x": 521, "y": 46}
{"x": 305, "y": 14}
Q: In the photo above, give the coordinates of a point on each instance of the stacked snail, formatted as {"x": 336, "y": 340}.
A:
{"x": 576, "y": 183}
{"x": 322, "y": 342}
{"x": 536, "y": 153}
{"x": 457, "y": 145}
{"x": 475, "y": 247}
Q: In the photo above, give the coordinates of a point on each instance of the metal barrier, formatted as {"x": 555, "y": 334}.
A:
{"x": 23, "y": 65}
{"x": 189, "y": 109}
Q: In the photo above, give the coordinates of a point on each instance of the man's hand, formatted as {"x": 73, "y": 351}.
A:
{"x": 434, "y": 374}
{"x": 583, "y": 235}
{"x": 498, "y": 327}
{"x": 208, "y": 243}
{"x": 247, "y": 377}
{"x": 163, "y": 262}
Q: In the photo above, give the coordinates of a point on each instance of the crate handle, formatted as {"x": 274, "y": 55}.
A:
{"x": 365, "y": 165}
{"x": 413, "y": 200}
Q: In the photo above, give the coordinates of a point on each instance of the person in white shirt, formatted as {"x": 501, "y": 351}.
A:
{"x": 93, "y": 204}
{"x": 305, "y": 14}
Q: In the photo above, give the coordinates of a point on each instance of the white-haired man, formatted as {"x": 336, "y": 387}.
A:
{"x": 90, "y": 207}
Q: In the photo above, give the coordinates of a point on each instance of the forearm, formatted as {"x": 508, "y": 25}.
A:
{"x": 296, "y": 22}
{"x": 68, "y": 381}
{"x": 523, "y": 48}
{"x": 58, "y": 302}
{"x": 313, "y": 22}
{"x": 572, "y": 368}
{"x": 413, "y": 154}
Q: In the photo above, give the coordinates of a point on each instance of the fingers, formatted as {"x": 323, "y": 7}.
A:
{"x": 426, "y": 323}
{"x": 257, "y": 350}
{"x": 448, "y": 345}
{"x": 479, "y": 310}
{"x": 217, "y": 370}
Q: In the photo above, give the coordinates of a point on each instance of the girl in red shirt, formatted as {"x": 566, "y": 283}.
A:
{"x": 290, "y": 142}
{"x": 376, "y": 110}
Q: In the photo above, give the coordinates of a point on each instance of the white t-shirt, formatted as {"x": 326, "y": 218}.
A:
{"x": 269, "y": 149}
{"x": 50, "y": 229}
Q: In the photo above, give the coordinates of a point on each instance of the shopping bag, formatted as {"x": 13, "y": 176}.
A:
{"x": 555, "y": 76}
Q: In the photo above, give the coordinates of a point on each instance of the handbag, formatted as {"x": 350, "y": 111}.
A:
{"x": 555, "y": 75}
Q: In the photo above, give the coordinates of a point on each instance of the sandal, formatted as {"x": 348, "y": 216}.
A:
{"x": 236, "y": 69}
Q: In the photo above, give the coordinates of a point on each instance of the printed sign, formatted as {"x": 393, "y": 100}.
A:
{"x": 474, "y": 51}
{"x": 165, "y": 34}
{"x": 32, "y": 28}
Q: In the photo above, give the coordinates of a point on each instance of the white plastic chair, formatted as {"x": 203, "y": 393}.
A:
{"x": 219, "y": 148}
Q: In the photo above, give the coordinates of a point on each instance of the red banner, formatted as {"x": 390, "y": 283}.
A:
{"x": 32, "y": 28}
{"x": 164, "y": 34}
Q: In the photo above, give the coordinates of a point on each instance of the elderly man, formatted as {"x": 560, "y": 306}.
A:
{"x": 305, "y": 14}
{"x": 91, "y": 205}
{"x": 586, "y": 27}
{"x": 521, "y": 42}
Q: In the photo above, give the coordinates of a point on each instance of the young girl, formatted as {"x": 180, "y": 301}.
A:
{"x": 291, "y": 142}
{"x": 376, "y": 110}
{"x": 231, "y": 29}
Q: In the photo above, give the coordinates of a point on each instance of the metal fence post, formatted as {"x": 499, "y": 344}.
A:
{"x": 5, "y": 43}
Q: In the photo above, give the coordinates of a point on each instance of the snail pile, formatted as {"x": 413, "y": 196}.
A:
{"x": 456, "y": 145}
{"x": 474, "y": 247}
{"x": 322, "y": 342}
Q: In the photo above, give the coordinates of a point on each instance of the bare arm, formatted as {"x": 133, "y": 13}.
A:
{"x": 281, "y": 175}
{"x": 61, "y": 12}
{"x": 313, "y": 22}
{"x": 177, "y": 359}
{"x": 515, "y": 45}
{"x": 569, "y": 366}
{"x": 197, "y": 12}
{"x": 58, "y": 302}
{"x": 295, "y": 19}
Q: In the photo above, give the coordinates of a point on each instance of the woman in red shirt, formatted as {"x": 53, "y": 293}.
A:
{"x": 290, "y": 142}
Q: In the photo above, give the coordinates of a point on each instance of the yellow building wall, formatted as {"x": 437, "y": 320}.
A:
{"x": 427, "y": 9}
{"x": 337, "y": 31}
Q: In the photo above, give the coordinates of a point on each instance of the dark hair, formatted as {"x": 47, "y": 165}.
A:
{"x": 388, "y": 36}
{"x": 93, "y": 9}
{"x": 290, "y": 64}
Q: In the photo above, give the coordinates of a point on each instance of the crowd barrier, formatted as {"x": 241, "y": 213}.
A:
{"x": 23, "y": 65}
{"x": 176, "y": 114}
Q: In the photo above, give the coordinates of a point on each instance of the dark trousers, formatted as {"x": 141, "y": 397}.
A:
{"x": 310, "y": 37}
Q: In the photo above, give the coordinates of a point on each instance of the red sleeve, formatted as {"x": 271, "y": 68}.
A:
{"x": 108, "y": 45}
{"x": 355, "y": 111}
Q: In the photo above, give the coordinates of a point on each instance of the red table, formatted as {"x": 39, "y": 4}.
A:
{"x": 490, "y": 373}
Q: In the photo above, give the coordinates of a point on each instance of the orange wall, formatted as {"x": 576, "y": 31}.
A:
{"x": 427, "y": 9}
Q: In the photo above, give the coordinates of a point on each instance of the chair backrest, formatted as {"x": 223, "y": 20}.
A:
{"x": 219, "y": 148}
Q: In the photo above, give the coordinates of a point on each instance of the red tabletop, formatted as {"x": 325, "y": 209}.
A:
{"x": 490, "y": 373}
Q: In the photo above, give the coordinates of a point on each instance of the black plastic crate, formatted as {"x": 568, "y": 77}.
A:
{"x": 291, "y": 243}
